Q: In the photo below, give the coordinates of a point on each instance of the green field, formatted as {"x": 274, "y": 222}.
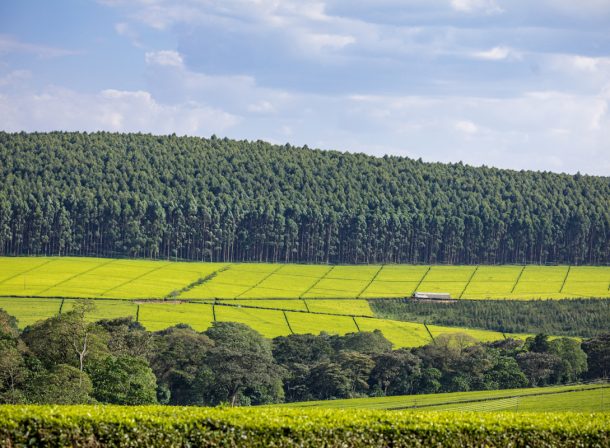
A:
{"x": 580, "y": 398}
{"x": 118, "y": 278}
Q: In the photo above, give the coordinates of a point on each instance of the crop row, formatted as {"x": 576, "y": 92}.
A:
{"x": 119, "y": 278}
{"x": 175, "y": 426}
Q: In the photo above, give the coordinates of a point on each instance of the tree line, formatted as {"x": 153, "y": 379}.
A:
{"x": 569, "y": 317}
{"x": 67, "y": 359}
{"x": 105, "y": 194}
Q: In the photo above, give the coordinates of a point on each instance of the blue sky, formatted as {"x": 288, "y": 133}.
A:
{"x": 513, "y": 84}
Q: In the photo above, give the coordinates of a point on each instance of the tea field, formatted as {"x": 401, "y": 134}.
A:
{"x": 580, "y": 398}
{"x": 137, "y": 426}
{"x": 274, "y": 299}
{"x": 131, "y": 279}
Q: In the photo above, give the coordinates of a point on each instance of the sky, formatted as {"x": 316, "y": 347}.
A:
{"x": 513, "y": 84}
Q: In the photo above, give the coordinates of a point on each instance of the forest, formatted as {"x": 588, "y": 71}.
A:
{"x": 67, "y": 359}
{"x": 136, "y": 195}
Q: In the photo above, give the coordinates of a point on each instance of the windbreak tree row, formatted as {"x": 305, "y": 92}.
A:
{"x": 216, "y": 199}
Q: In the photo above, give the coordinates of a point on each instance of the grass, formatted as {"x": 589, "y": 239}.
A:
{"x": 317, "y": 323}
{"x": 581, "y": 398}
{"x": 98, "y": 277}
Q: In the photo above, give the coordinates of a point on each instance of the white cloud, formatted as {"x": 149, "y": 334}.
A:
{"x": 469, "y": 6}
{"x": 497, "y": 54}
{"x": 467, "y": 127}
{"x": 164, "y": 57}
{"x": 112, "y": 110}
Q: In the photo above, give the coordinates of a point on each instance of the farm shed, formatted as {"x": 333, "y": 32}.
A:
{"x": 432, "y": 295}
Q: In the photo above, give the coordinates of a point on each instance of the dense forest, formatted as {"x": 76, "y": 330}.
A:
{"x": 570, "y": 317}
{"x": 67, "y": 359}
{"x": 137, "y": 195}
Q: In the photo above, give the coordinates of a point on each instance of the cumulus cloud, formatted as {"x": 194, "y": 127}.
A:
{"x": 497, "y": 54}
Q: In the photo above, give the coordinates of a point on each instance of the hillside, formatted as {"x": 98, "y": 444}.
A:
{"x": 224, "y": 201}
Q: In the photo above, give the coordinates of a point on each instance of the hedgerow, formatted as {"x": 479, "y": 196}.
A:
{"x": 93, "y": 426}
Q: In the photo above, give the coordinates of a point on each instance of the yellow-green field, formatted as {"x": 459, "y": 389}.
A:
{"x": 269, "y": 322}
{"x": 274, "y": 299}
{"x": 117, "y": 278}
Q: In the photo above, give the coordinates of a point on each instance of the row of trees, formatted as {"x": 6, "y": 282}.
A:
{"x": 222, "y": 200}
{"x": 571, "y": 317}
{"x": 66, "y": 359}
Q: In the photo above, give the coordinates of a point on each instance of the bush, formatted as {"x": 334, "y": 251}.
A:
{"x": 178, "y": 426}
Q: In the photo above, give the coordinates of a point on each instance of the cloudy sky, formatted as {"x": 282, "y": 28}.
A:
{"x": 516, "y": 83}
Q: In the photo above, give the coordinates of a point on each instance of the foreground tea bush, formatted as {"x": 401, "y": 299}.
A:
{"x": 179, "y": 426}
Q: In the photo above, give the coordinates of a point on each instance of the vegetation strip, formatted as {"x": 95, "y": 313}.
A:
{"x": 478, "y": 400}
{"x": 287, "y": 322}
{"x": 430, "y": 333}
{"x": 518, "y": 278}
{"x": 198, "y": 282}
{"x": 565, "y": 279}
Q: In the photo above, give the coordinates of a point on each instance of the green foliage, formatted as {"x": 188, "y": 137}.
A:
{"x": 242, "y": 366}
{"x": 63, "y": 384}
{"x": 123, "y": 380}
{"x": 178, "y": 361}
{"x": 160, "y": 426}
{"x": 201, "y": 199}
{"x": 598, "y": 356}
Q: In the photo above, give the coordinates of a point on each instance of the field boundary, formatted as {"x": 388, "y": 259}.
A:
{"x": 317, "y": 281}
{"x": 468, "y": 282}
{"x": 565, "y": 279}
{"x": 518, "y": 278}
{"x": 200, "y": 281}
{"x": 260, "y": 281}
{"x": 370, "y": 282}
{"x": 421, "y": 280}
{"x": 287, "y": 322}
